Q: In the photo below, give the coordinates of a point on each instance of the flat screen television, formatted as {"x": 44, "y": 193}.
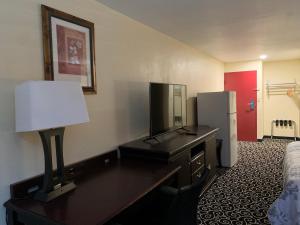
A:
{"x": 167, "y": 107}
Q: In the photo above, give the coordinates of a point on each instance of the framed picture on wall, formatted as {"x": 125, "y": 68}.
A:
{"x": 69, "y": 48}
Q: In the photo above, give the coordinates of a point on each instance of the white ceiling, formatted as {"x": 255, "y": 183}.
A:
{"x": 229, "y": 30}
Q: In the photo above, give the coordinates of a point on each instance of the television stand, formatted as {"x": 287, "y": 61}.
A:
{"x": 193, "y": 152}
{"x": 149, "y": 139}
{"x": 184, "y": 131}
{"x": 190, "y": 133}
{"x": 155, "y": 138}
{"x": 183, "y": 128}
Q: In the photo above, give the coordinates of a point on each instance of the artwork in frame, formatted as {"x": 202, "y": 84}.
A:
{"x": 69, "y": 48}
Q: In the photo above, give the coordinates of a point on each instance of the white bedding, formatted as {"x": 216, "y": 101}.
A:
{"x": 286, "y": 209}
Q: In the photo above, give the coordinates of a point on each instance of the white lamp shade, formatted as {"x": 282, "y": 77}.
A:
{"x": 41, "y": 105}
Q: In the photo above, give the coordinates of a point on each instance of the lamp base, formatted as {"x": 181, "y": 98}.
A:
{"x": 48, "y": 196}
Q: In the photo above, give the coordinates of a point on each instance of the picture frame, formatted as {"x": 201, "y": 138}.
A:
{"x": 69, "y": 48}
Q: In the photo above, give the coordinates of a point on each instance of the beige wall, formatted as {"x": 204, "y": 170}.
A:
{"x": 280, "y": 105}
{"x": 248, "y": 66}
{"x": 128, "y": 56}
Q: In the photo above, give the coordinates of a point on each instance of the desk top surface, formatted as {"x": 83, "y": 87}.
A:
{"x": 101, "y": 195}
{"x": 171, "y": 143}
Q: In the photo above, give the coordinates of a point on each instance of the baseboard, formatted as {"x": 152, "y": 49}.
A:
{"x": 281, "y": 137}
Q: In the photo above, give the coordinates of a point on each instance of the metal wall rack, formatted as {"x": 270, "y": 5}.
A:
{"x": 282, "y": 88}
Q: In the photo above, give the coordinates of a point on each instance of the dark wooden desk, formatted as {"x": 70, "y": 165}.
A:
{"x": 100, "y": 195}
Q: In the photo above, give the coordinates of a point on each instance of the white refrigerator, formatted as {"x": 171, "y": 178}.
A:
{"x": 218, "y": 109}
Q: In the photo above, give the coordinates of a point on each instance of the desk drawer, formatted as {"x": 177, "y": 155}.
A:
{"x": 197, "y": 174}
{"x": 197, "y": 162}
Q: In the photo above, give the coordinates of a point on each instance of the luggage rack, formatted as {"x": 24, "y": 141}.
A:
{"x": 282, "y": 88}
{"x": 278, "y": 121}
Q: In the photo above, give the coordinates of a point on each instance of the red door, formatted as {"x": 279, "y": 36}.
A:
{"x": 244, "y": 83}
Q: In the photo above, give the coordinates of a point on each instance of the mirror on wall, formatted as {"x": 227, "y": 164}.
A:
{"x": 179, "y": 93}
{"x": 167, "y": 107}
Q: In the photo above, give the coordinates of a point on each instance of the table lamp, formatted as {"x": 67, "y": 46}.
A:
{"x": 47, "y": 107}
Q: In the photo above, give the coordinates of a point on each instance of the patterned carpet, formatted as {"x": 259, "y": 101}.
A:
{"x": 244, "y": 193}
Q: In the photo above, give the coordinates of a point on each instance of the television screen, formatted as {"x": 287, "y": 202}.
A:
{"x": 167, "y": 107}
